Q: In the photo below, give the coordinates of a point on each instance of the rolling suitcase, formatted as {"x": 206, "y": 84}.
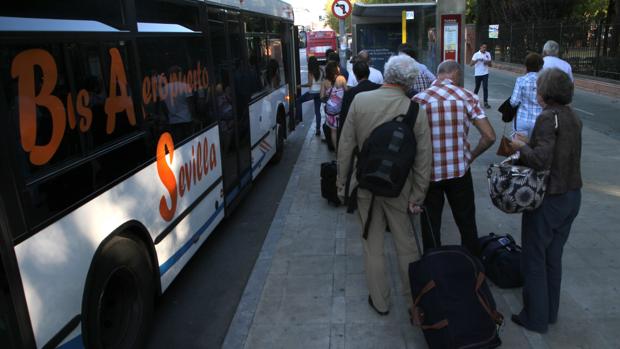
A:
{"x": 329, "y": 172}
{"x": 452, "y": 302}
{"x": 327, "y": 132}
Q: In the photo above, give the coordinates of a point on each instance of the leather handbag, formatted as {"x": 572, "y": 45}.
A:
{"x": 504, "y": 147}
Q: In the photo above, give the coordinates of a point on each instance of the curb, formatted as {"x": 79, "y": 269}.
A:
{"x": 239, "y": 328}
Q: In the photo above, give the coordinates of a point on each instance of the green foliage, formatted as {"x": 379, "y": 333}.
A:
{"x": 511, "y": 11}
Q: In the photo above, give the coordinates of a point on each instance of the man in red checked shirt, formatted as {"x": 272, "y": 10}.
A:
{"x": 451, "y": 109}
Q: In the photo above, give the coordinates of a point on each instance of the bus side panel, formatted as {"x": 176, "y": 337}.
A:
{"x": 54, "y": 263}
{"x": 263, "y": 124}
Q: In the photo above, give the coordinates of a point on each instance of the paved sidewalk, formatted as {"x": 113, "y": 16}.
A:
{"x": 308, "y": 288}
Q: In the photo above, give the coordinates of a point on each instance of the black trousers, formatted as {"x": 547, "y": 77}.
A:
{"x": 544, "y": 232}
{"x": 484, "y": 79}
{"x": 460, "y": 194}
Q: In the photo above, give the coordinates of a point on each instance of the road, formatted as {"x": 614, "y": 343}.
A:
{"x": 197, "y": 308}
{"x": 598, "y": 112}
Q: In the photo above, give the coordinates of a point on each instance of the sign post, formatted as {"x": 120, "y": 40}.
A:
{"x": 342, "y": 9}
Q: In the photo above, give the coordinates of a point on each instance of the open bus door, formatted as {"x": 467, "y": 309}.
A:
{"x": 15, "y": 329}
{"x": 300, "y": 38}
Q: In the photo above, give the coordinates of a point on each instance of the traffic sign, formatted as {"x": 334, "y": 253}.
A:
{"x": 342, "y": 8}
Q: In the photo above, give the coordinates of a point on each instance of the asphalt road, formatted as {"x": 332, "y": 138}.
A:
{"x": 598, "y": 112}
{"x": 197, "y": 308}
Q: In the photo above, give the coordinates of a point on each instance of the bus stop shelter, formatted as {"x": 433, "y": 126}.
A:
{"x": 380, "y": 28}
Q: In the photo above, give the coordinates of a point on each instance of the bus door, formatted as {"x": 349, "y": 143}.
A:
{"x": 231, "y": 103}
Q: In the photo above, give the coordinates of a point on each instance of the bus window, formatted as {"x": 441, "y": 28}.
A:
{"x": 175, "y": 86}
{"x": 303, "y": 39}
{"x": 73, "y": 126}
{"x": 276, "y": 63}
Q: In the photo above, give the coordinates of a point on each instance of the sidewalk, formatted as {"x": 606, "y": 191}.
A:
{"x": 308, "y": 287}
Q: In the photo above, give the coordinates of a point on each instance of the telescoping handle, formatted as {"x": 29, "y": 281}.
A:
{"x": 412, "y": 217}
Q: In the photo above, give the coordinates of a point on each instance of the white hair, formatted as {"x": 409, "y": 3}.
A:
{"x": 551, "y": 48}
{"x": 401, "y": 70}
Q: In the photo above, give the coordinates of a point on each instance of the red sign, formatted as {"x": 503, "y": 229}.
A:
{"x": 451, "y": 37}
{"x": 342, "y": 8}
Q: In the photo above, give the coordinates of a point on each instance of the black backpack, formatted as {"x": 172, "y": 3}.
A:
{"x": 501, "y": 257}
{"x": 328, "y": 182}
{"x": 386, "y": 158}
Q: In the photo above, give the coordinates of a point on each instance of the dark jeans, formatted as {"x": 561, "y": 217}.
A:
{"x": 544, "y": 232}
{"x": 460, "y": 194}
{"x": 308, "y": 96}
{"x": 484, "y": 79}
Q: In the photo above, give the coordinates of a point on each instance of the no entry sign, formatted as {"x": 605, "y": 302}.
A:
{"x": 342, "y": 8}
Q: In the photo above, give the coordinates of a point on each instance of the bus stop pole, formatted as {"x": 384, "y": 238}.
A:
{"x": 344, "y": 44}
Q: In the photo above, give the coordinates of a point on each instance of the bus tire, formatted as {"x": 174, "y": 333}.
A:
{"x": 119, "y": 298}
{"x": 280, "y": 134}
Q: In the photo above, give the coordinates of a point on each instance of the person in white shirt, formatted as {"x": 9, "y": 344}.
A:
{"x": 551, "y": 51}
{"x": 482, "y": 61}
{"x": 375, "y": 75}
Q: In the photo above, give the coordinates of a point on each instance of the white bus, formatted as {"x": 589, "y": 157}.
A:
{"x": 129, "y": 129}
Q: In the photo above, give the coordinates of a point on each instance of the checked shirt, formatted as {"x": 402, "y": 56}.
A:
{"x": 451, "y": 110}
{"x": 524, "y": 96}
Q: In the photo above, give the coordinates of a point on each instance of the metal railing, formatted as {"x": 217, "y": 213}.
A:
{"x": 591, "y": 49}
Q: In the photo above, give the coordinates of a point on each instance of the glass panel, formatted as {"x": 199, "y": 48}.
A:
{"x": 275, "y": 66}
{"x": 72, "y": 126}
{"x": 175, "y": 86}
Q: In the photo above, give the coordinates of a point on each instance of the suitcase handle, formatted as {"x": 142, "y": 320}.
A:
{"x": 415, "y": 233}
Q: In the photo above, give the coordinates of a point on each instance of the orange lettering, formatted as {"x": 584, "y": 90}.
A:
{"x": 163, "y": 86}
{"x": 154, "y": 87}
{"x": 166, "y": 176}
{"x": 118, "y": 103}
{"x": 83, "y": 99}
{"x": 188, "y": 175}
{"x": 205, "y": 77}
{"x": 70, "y": 112}
{"x": 23, "y": 69}
{"x": 199, "y": 161}
{"x": 146, "y": 90}
{"x": 182, "y": 181}
{"x": 213, "y": 157}
{"x": 190, "y": 82}
{"x": 205, "y": 162}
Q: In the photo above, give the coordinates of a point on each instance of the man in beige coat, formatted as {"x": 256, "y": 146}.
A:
{"x": 369, "y": 110}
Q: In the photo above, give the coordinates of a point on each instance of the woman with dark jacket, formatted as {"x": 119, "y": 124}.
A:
{"x": 555, "y": 145}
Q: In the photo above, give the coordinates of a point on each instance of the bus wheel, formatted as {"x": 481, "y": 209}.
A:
{"x": 118, "y": 303}
{"x": 280, "y": 133}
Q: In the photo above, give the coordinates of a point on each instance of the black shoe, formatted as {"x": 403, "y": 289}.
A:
{"x": 317, "y": 133}
{"x": 382, "y": 313}
{"x": 486, "y": 105}
{"x": 517, "y": 320}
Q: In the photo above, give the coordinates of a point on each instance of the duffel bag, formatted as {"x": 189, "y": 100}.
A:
{"x": 501, "y": 257}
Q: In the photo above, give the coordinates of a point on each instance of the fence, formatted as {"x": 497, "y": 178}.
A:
{"x": 591, "y": 49}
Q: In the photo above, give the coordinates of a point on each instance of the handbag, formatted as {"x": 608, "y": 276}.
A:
{"x": 504, "y": 148}
{"x": 515, "y": 188}
{"x": 508, "y": 111}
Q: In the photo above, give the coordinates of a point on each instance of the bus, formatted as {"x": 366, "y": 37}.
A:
{"x": 319, "y": 41}
{"x": 129, "y": 129}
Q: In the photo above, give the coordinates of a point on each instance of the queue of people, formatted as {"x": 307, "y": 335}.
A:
{"x": 546, "y": 136}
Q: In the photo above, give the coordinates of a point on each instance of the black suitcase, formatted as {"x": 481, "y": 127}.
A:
{"x": 327, "y": 132}
{"x": 452, "y": 302}
{"x": 501, "y": 257}
{"x": 329, "y": 172}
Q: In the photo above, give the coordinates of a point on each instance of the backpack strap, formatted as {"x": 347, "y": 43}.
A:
{"x": 412, "y": 114}
{"x": 369, "y": 217}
